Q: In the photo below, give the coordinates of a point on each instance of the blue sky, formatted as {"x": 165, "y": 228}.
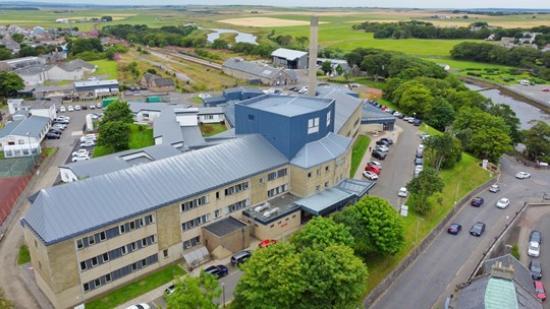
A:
{"x": 331, "y": 3}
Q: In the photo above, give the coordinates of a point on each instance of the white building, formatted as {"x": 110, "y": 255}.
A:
{"x": 38, "y": 74}
{"x": 36, "y": 108}
{"x": 23, "y": 137}
{"x": 211, "y": 115}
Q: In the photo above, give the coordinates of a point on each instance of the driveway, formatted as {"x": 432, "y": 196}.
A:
{"x": 449, "y": 260}
{"x": 20, "y": 288}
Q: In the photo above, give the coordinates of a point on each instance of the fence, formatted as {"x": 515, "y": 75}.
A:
{"x": 385, "y": 285}
{"x": 21, "y": 166}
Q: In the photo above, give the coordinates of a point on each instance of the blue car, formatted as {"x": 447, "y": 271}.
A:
{"x": 218, "y": 271}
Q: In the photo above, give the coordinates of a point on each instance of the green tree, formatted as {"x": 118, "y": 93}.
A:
{"x": 219, "y": 44}
{"x": 326, "y": 67}
{"x": 115, "y": 134}
{"x": 10, "y": 84}
{"x": 335, "y": 278}
{"x": 18, "y": 37}
{"x": 339, "y": 70}
{"x": 5, "y": 53}
{"x": 272, "y": 278}
{"x": 441, "y": 115}
{"x": 537, "y": 142}
{"x": 442, "y": 151}
{"x": 505, "y": 112}
{"x": 118, "y": 111}
{"x": 422, "y": 187}
{"x": 376, "y": 65}
{"x": 416, "y": 99}
{"x": 375, "y": 226}
{"x": 194, "y": 293}
{"x": 322, "y": 232}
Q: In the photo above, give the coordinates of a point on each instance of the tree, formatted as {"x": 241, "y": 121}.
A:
{"x": 376, "y": 65}
{"x": 537, "y": 142}
{"x": 114, "y": 134}
{"x": 442, "y": 151}
{"x": 118, "y": 111}
{"x": 339, "y": 70}
{"x": 505, "y": 112}
{"x": 5, "y": 53}
{"x": 326, "y": 67}
{"x": 375, "y": 226}
{"x": 335, "y": 278}
{"x": 422, "y": 187}
{"x": 219, "y": 44}
{"x": 322, "y": 232}
{"x": 415, "y": 99}
{"x": 195, "y": 292}
{"x": 77, "y": 46}
{"x": 441, "y": 115}
{"x": 10, "y": 84}
{"x": 273, "y": 278}
{"x": 18, "y": 37}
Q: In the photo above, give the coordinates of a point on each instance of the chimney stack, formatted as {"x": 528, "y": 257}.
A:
{"x": 312, "y": 66}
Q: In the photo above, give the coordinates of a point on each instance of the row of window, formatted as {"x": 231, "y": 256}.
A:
{"x": 116, "y": 253}
{"x": 318, "y": 171}
{"x": 313, "y": 125}
{"x": 278, "y": 174}
{"x": 195, "y": 241}
{"x": 114, "y": 232}
{"x": 203, "y": 200}
{"x": 277, "y": 190}
{"x": 236, "y": 188}
{"x": 237, "y": 206}
{"x": 119, "y": 273}
{"x": 195, "y": 222}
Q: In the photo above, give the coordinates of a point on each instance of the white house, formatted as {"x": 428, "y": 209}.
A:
{"x": 36, "y": 108}
{"x": 211, "y": 115}
{"x": 39, "y": 73}
{"x": 23, "y": 137}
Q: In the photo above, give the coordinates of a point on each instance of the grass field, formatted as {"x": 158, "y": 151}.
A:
{"x": 209, "y": 129}
{"x": 135, "y": 289}
{"x": 24, "y": 255}
{"x": 107, "y": 68}
{"x": 357, "y": 153}
{"x": 140, "y": 136}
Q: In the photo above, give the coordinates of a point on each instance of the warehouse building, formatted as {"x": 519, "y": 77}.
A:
{"x": 290, "y": 59}
{"x": 259, "y": 73}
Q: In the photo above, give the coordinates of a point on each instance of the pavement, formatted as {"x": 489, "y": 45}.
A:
{"x": 449, "y": 260}
{"x": 19, "y": 286}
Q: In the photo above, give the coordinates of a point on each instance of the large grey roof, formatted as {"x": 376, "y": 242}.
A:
{"x": 289, "y": 54}
{"x": 192, "y": 136}
{"x": 287, "y": 105}
{"x": 137, "y": 107}
{"x": 76, "y": 64}
{"x": 225, "y": 226}
{"x": 322, "y": 150}
{"x": 344, "y": 106}
{"x": 255, "y": 69}
{"x": 373, "y": 114}
{"x": 33, "y": 126}
{"x": 62, "y": 212}
{"x": 33, "y": 69}
{"x": 114, "y": 162}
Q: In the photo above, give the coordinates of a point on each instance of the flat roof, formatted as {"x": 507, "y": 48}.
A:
{"x": 287, "y": 105}
{"x": 96, "y": 83}
{"x": 323, "y": 201}
{"x": 289, "y": 54}
{"x": 225, "y": 226}
{"x": 284, "y": 204}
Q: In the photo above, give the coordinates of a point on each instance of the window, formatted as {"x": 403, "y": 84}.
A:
{"x": 82, "y": 265}
{"x": 250, "y": 117}
{"x": 97, "y": 282}
{"x": 282, "y": 173}
{"x": 313, "y": 125}
{"x": 132, "y": 247}
{"x": 272, "y": 176}
{"x": 123, "y": 250}
{"x": 105, "y": 257}
{"x": 195, "y": 222}
{"x": 328, "y": 118}
{"x": 91, "y": 240}
{"x": 218, "y": 195}
{"x": 326, "y": 168}
{"x": 86, "y": 286}
{"x": 309, "y": 175}
{"x": 326, "y": 184}
{"x": 148, "y": 219}
{"x": 102, "y": 236}
{"x": 191, "y": 242}
{"x": 122, "y": 229}
{"x": 132, "y": 225}
{"x": 277, "y": 190}
{"x": 236, "y": 188}
{"x": 94, "y": 261}
{"x": 108, "y": 277}
{"x": 237, "y": 206}
{"x": 217, "y": 213}
{"x": 79, "y": 244}
{"x": 165, "y": 253}
{"x": 203, "y": 200}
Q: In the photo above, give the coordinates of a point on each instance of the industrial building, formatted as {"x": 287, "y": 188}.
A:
{"x": 259, "y": 73}
{"x": 290, "y": 59}
{"x": 96, "y": 88}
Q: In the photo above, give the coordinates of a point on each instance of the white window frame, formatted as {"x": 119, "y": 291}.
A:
{"x": 313, "y": 125}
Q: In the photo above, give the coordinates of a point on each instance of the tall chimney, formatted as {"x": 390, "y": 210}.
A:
{"x": 312, "y": 68}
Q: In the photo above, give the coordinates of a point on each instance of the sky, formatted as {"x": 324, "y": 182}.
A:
{"x": 331, "y": 3}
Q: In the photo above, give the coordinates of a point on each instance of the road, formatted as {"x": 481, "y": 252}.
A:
{"x": 22, "y": 290}
{"x": 450, "y": 260}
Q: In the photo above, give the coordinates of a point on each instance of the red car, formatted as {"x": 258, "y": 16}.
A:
{"x": 546, "y": 90}
{"x": 539, "y": 290}
{"x": 373, "y": 168}
{"x": 266, "y": 243}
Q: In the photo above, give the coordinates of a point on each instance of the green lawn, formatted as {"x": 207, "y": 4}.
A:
{"x": 135, "y": 289}
{"x": 106, "y": 68}
{"x": 24, "y": 255}
{"x": 359, "y": 148}
{"x": 140, "y": 136}
{"x": 464, "y": 177}
{"x": 209, "y": 129}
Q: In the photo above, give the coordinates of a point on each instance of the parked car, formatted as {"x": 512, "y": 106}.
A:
{"x": 494, "y": 188}
{"x": 59, "y": 126}
{"x": 540, "y": 291}
{"x": 417, "y": 170}
{"x": 88, "y": 137}
{"x": 70, "y": 108}
{"x": 217, "y": 271}
{"x": 419, "y": 153}
{"x": 477, "y": 229}
{"x": 375, "y": 163}
{"x": 398, "y": 115}
{"x": 418, "y": 161}
{"x": 91, "y": 107}
{"x": 424, "y": 136}
{"x": 170, "y": 290}
{"x": 477, "y": 201}
{"x": 77, "y": 107}
{"x": 240, "y": 257}
{"x": 382, "y": 148}
{"x": 536, "y": 270}
{"x": 139, "y": 306}
{"x": 81, "y": 158}
{"x": 454, "y": 229}
{"x": 81, "y": 153}
{"x": 54, "y": 130}
{"x": 62, "y": 108}
{"x": 523, "y": 175}
{"x": 378, "y": 155}
{"x": 370, "y": 175}
{"x": 503, "y": 203}
{"x": 382, "y": 142}
{"x": 403, "y": 192}
{"x": 536, "y": 236}
{"x": 61, "y": 120}
{"x": 53, "y": 135}
{"x": 408, "y": 118}
{"x": 417, "y": 122}
{"x": 266, "y": 243}
{"x": 87, "y": 144}
{"x": 386, "y": 140}
{"x": 411, "y": 120}
{"x": 372, "y": 168}
{"x": 533, "y": 249}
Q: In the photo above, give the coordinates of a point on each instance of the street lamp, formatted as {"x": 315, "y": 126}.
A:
{"x": 223, "y": 295}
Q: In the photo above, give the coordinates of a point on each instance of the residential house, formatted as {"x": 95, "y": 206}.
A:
{"x": 23, "y": 137}
{"x": 155, "y": 82}
{"x": 34, "y": 108}
{"x": 38, "y": 74}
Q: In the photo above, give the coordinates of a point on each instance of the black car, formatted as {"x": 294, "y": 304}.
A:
{"x": 477, "y": 201}
{"x": 477, "y": 229}
{"x": 217, "y": 270}
{"x": 536, "y": 270}
{"x": 384, "y": 142}
{"x": 417, "y": 122}
{"x": 389, "y": 141}
{"x": 535, "y": 236}
{"x": 56, "y": 131}
{"x": 240, "y": 257}
{"x": 418, "y": 161}
{"x": 378, "y": 155}
{"x": 454, "y": 229}
{"x": 53, "y": 135}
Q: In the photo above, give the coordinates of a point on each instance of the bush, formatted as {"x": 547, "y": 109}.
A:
{"x": 515, "y": 251}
